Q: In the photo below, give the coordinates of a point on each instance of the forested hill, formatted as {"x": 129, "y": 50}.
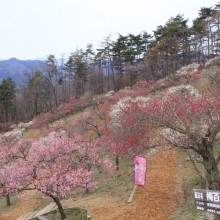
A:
{"x": 16, "y": 69}
{"x": 117, "y": 64}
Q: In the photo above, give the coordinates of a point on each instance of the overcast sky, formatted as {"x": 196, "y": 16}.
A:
{"x": 31, "y": 29}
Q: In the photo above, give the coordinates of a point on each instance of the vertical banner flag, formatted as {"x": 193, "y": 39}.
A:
{"x": 140, "y": 164}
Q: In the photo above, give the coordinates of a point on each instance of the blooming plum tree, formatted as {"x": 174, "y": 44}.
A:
{"x": 189, "y": 122}
{"x": 86, "y": 121}
{"x": 127, "y": 133}
{"x": 193, "y": 124}
{"x": 55, "y": 165}
{"x": 65, "y": 108}
{"x": 10, "y": 150}
{"x": 41, "y": 120}
{"x": 59, "y": 112}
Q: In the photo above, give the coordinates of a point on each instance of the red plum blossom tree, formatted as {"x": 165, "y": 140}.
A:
{"x": 188, "y": 121}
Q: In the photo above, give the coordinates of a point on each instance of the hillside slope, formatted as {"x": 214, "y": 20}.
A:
{"x": 165, "y": 189}
{"x": 156, "y": 201}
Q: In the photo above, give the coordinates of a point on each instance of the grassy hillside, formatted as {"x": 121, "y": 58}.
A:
{"x": 171, "y": 175}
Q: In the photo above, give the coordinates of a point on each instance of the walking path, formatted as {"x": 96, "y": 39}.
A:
{"x": 156, "y": 201}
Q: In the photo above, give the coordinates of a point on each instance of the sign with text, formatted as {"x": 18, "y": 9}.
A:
{"x": 207, "y": 200}
{"x": 140, "y": 165}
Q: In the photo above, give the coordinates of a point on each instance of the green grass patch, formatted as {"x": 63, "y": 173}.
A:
{"x": 189, "y": 180}
{"x": 120, "y": 182}
{"x": 217, "y": 148}
{"x": 195, "y": 181}
{"x": 194, "y": 213}
{"x": 3, "y": 205}
{"x": 73, "y": 213}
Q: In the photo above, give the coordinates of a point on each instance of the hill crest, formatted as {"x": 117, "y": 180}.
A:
{"x": 16, "y": 68}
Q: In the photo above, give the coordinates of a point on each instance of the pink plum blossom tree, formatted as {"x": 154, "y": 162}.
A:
{"x": 54, "y": 165}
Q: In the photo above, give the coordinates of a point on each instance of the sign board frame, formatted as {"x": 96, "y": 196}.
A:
{"x": 140, "y": 170}
{"x": 207, "y": 200}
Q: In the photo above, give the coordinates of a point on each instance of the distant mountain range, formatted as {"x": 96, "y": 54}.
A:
{"x": 16, "y": 69}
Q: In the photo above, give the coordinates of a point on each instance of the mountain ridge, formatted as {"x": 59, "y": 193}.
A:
{"x": 16, "y": 68}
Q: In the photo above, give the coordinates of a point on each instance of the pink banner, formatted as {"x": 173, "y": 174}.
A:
{"x": 140, "y": 165}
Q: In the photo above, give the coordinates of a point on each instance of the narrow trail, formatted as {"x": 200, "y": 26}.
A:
{"x": 156, "y": 201}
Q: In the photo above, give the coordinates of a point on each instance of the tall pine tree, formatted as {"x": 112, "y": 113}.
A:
{"x": 7, "y": 94}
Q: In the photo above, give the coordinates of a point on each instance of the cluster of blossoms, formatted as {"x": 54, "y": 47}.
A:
{"x": 55, "y": 164}
{"x": 184, "y": 90}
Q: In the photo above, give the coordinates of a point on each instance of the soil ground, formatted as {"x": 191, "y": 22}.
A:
{"x": 156, "y": 201}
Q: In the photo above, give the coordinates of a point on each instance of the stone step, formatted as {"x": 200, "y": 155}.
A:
{"x": 25, "y": 216}
{"x": 50, "y": 207}
{"x": 33, "y": 214}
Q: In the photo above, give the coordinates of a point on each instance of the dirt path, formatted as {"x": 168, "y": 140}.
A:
{"x": 156, "y": 201}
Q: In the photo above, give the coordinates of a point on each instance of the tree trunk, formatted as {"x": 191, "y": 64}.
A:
{"x": 216, "y": 217}
{"x": 117, "y": 163}
{"x": 212, "y": 175}
{"x": 202, "y": 182}
{"x": 60, "y": 208}
{"x": 7, "y": 197}
{"x": 8, "y": 201}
